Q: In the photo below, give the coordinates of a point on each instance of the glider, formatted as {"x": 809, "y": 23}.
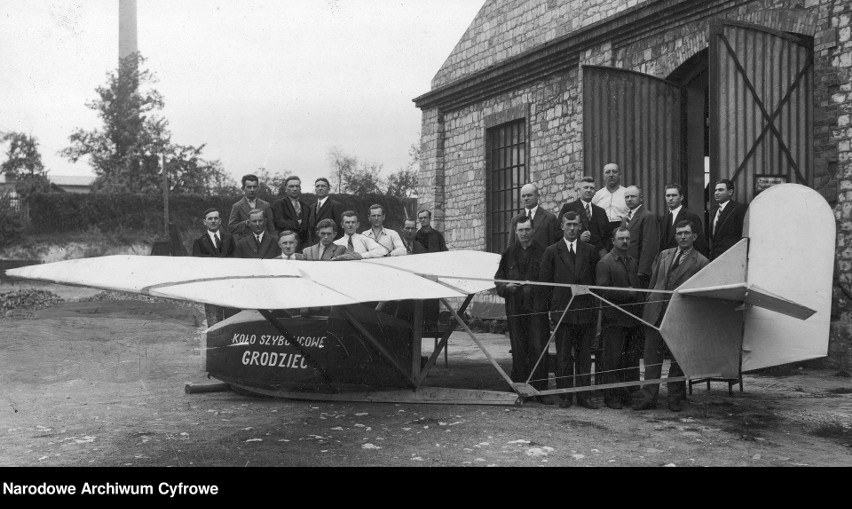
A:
{"x": 351, "y": 331}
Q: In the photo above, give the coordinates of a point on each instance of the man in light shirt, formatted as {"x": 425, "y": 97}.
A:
{"x": 356, "y": 243}
{"x": 389, "y": 239}
{"x": 611, "y": 199}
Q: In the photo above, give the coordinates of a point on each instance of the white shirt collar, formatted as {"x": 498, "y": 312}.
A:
{"x": 571, "y": 245}
{"x": 676, "y": 211}
{"x": 320, "y": 203}
{"x": 532, "y": 211}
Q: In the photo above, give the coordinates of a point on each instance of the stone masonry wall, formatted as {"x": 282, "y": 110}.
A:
{"x": 555, "y": 114}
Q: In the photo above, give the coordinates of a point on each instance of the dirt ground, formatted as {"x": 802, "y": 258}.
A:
{"x": 102, "y": 384}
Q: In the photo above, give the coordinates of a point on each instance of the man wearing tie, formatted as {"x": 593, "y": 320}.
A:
{"x": 354, "y": 242}
{"x": 644, "y": 233}
{"x": 214, "y": 243}
{"x": 727, "y": 218}
{"x": 672, "y": 268}
{"x": 571, "y": 261}
{"x": 260, "y": 243}
{"x": 409, "y": 234}
{"x": 593, "y": 218}
{"x": 325, "y": 208}
{"x": 546, "y": 229}
{"x": 677, "y": 213}
{"x": 291, "y": 212}
{"x": 288, "y": 242}
{"x": 325, "y": 249}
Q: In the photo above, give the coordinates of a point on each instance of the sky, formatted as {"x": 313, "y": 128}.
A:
{"x": 263, "y": 83}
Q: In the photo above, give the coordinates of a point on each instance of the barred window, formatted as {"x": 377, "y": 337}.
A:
{"x": 506, "y": 163}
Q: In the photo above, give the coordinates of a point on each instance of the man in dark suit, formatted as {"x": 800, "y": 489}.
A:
{"x": 259, "y": 243}
{"x": 546, "y": 228}
{"x": 677, "y": 213}
{"x": 213, "y": 243}
{"x": 325, "y": 208}
{"x": 644, "y": 233}
{"x": 291, "y": 212}
{"x": 672, "y": 268}
{"x": 620, "y": 359}
{"x": 726, "y": 219}
{"x": 572, "y": 261}
{"x": 525, "y": 314}
{"x": 428, "y": 237}
{"x": 326, "y": 249}
{"x": 409, "y": 234}
{"x": 288, "y": 241}
{"x": 238, "y": 222}
{"x": 596, "y": 229}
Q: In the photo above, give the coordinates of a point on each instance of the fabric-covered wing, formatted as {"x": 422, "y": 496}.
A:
{"x": 475, "y": 268}
{"x": 241, "y": 283}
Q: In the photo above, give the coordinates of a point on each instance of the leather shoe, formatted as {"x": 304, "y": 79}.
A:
{"x": 565, "y": 403}
{"x": 587, "y": 403}
{"x": 614, "y": 404}
{"x": 644, "y": 404}
{"x": 676, "y": 405}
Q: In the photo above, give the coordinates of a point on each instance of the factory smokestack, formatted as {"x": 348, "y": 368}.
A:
{"x": 127, "y": 43}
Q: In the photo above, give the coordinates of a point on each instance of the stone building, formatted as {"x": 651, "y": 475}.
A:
{"x": 673, "y": 90}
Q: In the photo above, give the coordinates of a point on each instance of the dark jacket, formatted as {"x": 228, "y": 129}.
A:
{"x": 203, "y": 246}
{"x": 557, "y": 267}
{"x": 247, "y": 247}
{"x": 667, "y": 230}
{"x": 331, "y": 209}
{"x": 512, "y": 266}
{"x": 644, "y": 239}
{"x": 546, "y": 229}
{"x": 729, "y": 228}
{"x": 240, "y": 213}
{"x": 664, "y": 278}
{"x": 286, "y": 218}
{"x": 620, "y": 271}
{"x": 597, "y": 225}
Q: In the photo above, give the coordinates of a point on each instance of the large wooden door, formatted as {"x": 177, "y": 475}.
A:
{"x": 761, "y": 107}
{"x": 633, "y": 120}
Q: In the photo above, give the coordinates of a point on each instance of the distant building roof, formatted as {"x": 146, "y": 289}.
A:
{"x": 63, "y": 180}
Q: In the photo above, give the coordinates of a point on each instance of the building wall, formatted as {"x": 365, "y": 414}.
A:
{"x": 453, "y": 161}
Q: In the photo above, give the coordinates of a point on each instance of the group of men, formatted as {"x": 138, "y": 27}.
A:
{"x": 292, "y": 229}
{"x": 605, "y": 238}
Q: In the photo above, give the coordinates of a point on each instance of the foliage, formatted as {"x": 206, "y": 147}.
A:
{"x": 29, "y": 299}
{"x": 349, "y": 175}
{"x": 271, "y": 184}
{"x": 125, "y": 152}
{"x": 403, "y": 183}
{"x": 23, "y": 160}
{"x": 11, "y": 222}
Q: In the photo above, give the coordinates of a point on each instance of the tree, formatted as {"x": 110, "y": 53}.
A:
{"x": 271, "y": 184}
{"x": 23, "y": 160}
{"x": 342, "y": 168}
{"x": 349, "y": 175}
{"x": 403, "y": 182}
{"x": 126, "y": 151}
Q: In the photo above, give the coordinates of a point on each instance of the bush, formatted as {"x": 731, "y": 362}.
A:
{"x": 11, "y": 222}
{"x": 127, "y": 213}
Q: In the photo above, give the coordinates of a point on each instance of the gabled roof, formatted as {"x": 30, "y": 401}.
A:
{"x": 506, "y": 28}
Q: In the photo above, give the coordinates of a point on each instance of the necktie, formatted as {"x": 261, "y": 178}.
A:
{"x": 716, "y": 219}
{"x": 571, "y": 251}
{"x": 530, "y": 215}
{"x": 629, "y": 217}
{"x": 678, "y": 259}
{"x": 671, "y": 219}
{"x": 257, "y": 240}
{"x": 218, "y": 242}
{"x": 318, "y": 207}
{"x": 351, "y": 246}
{"x": 588, "y": 211}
